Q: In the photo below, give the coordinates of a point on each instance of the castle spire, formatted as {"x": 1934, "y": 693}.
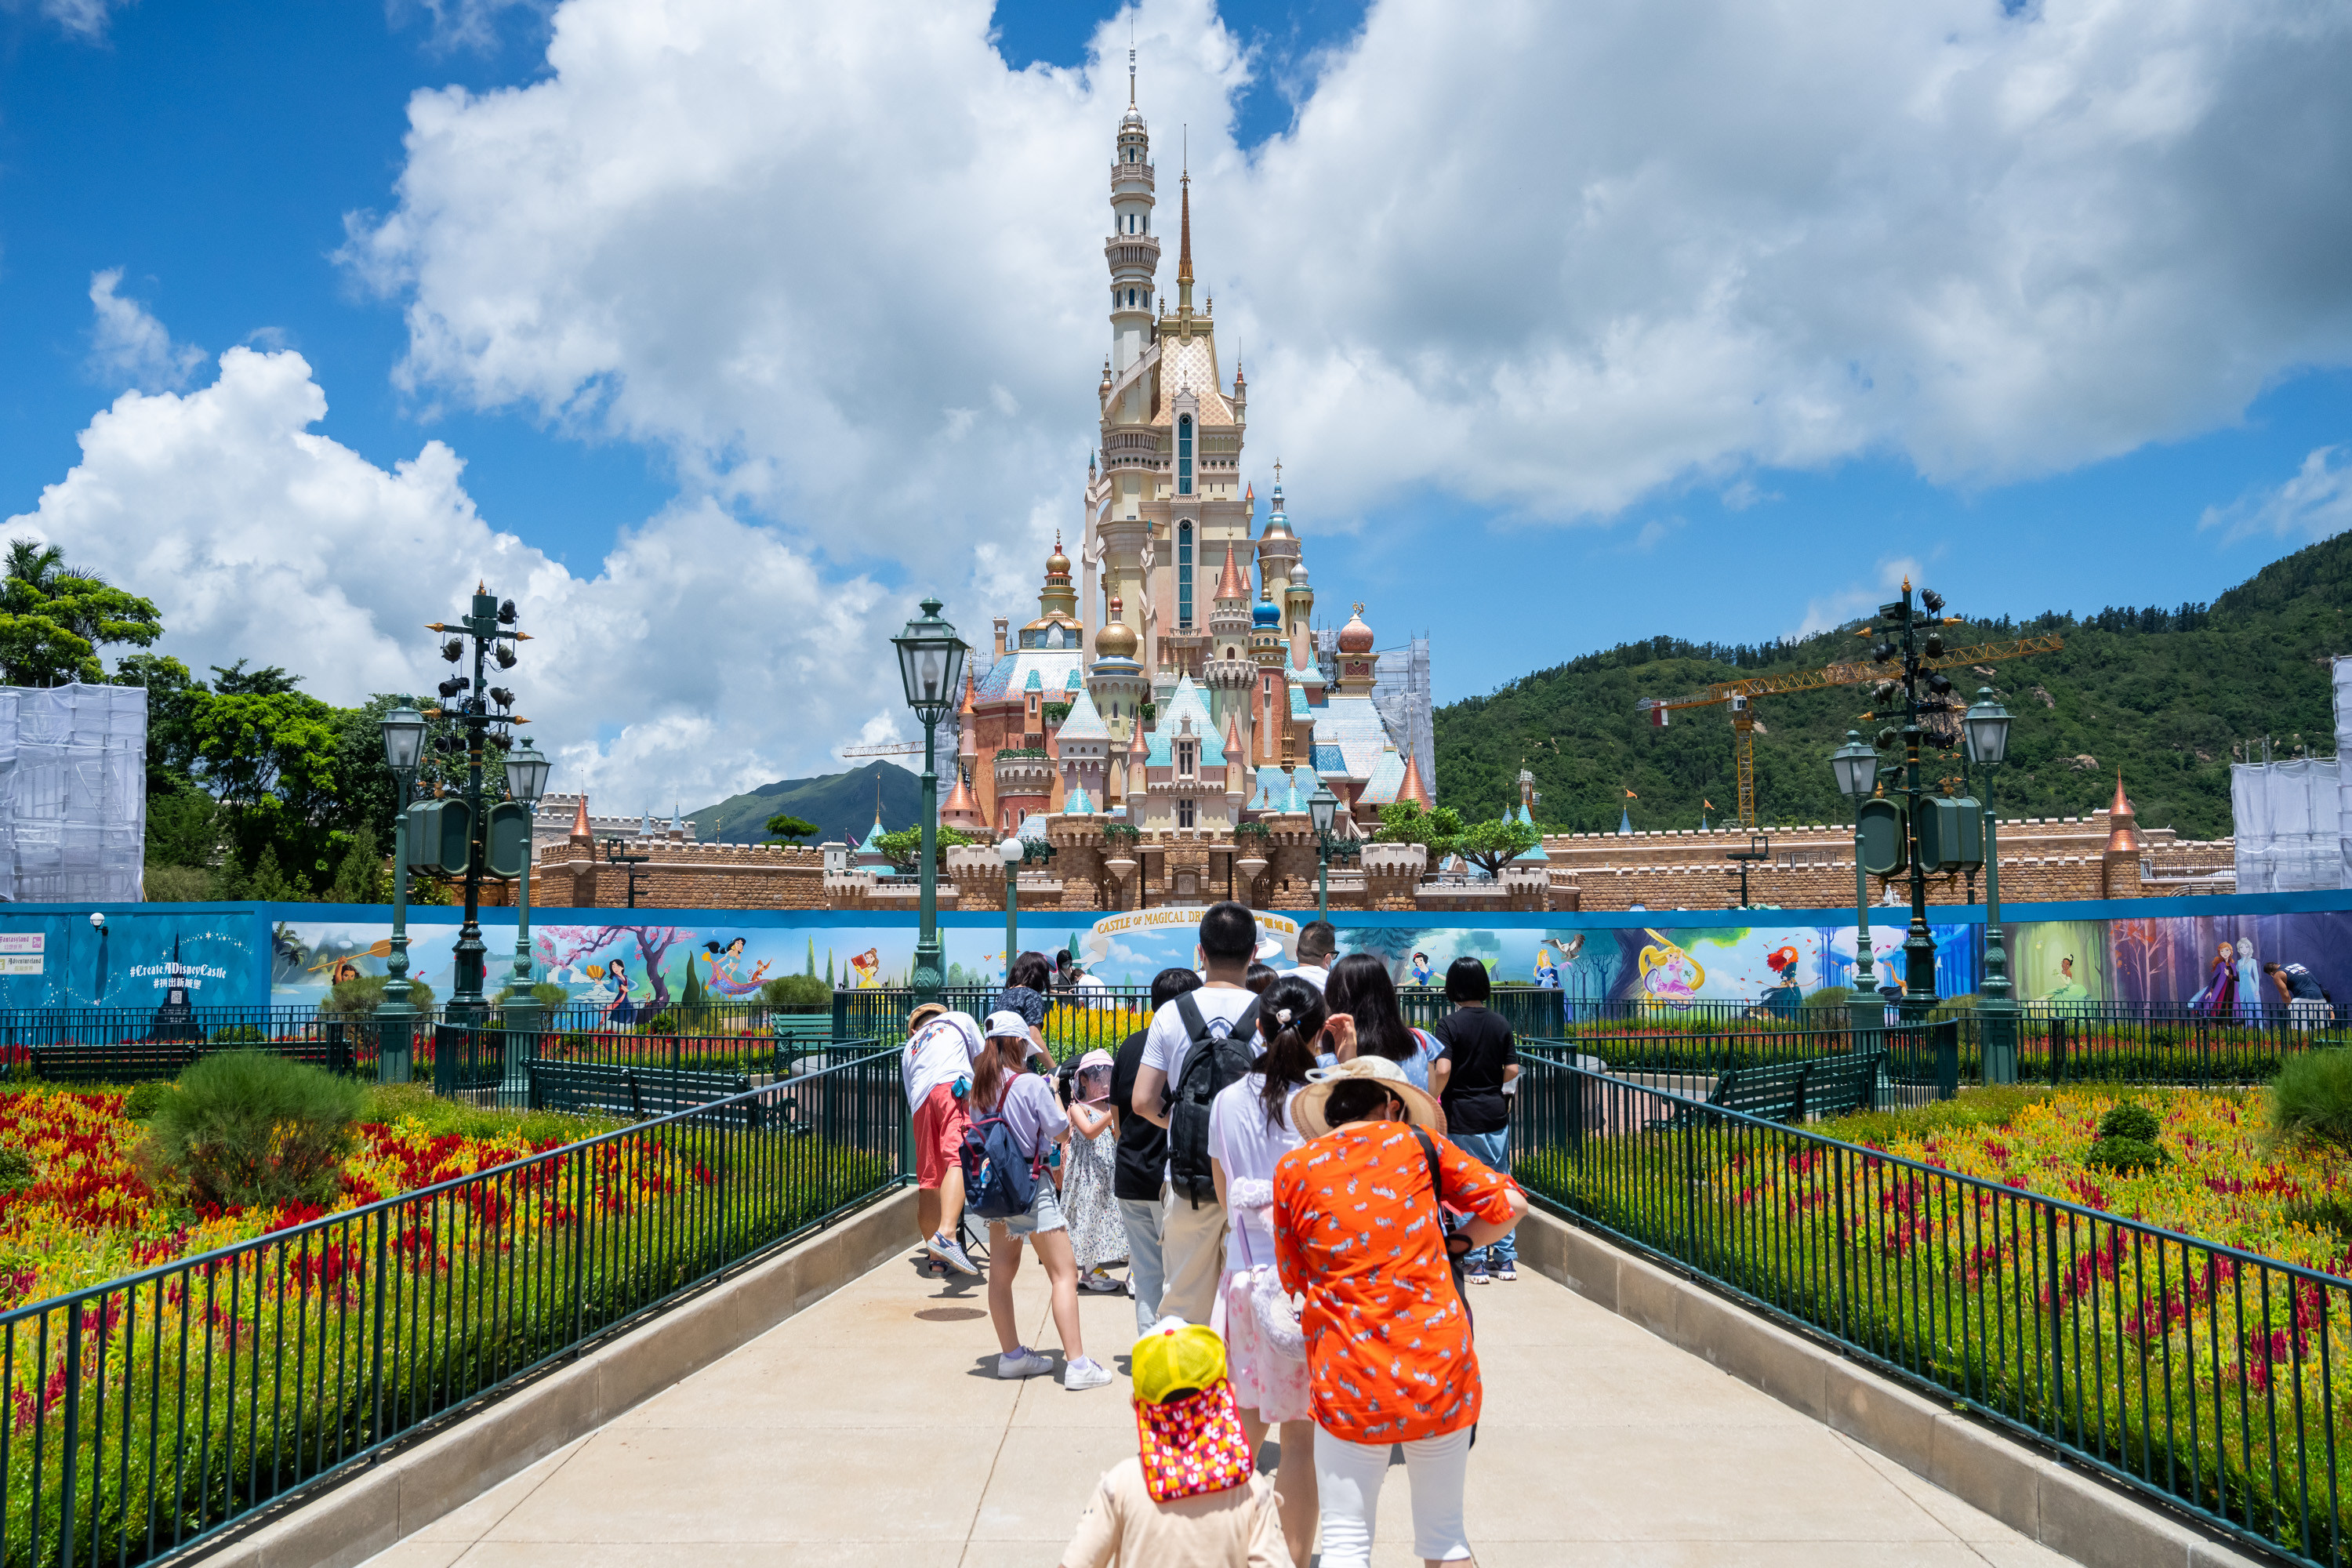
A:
{"x": 1184, "y": 241}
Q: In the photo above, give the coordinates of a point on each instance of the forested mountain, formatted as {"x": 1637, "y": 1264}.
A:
{"x": 2167, "y": 694}
{"x": 841, "y": 804}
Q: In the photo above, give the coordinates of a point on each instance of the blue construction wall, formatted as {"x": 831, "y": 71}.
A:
{"x": 2149, "y": 950}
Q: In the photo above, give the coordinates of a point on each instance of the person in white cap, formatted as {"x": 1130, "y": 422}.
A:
{"x": 1089, "y": 1196}
{"x": 937, "y": 1066}
{"x": 1004, "y": 1090}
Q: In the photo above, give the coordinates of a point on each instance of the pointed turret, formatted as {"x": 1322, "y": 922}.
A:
{"x": 1412, "y": 789}
{"x": 581, "y": 832}
{"x": 2122, "y": 823}
{"x": 1230, "y": 583}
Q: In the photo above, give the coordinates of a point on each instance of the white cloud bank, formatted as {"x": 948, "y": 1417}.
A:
{"x": 842, "y": 262}
{"x": 128, "y": 346}
{"x": 2312, "y": 505}
{"x": 707, "y": 649}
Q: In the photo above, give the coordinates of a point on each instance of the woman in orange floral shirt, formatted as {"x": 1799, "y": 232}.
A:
{"x": 1357, "y": 1229}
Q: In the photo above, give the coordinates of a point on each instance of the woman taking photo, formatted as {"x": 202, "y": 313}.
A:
{"x": 1367, "y": 1021}
{"x": 1002, "y": 1086}
{"x": 1249, "y": 1130}
{"x": 1358, "y": 1229}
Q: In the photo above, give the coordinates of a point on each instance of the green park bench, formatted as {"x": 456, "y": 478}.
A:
{"x": 1792, "y": 1091}
{"x": 637, "y": 1093}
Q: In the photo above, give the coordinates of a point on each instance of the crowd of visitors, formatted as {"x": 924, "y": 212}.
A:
{"x": 1301, "y": 1186}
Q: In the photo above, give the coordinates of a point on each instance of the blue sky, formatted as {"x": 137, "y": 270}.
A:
{"x": 245, "y": 167}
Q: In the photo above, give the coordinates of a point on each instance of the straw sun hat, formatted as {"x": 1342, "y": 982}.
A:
{"x": 1307, "y": 1110}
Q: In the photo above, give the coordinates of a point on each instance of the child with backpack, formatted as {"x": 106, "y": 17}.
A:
{"x": 1012, "y": 1163}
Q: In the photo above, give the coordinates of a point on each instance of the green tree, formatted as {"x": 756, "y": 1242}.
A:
{"x": 1491, "y": 845}
{"x": 54, "y": 618}
{"x": 903, "y": 848}
{"x": 172, "y": 696}
{"x": 360, "y": 879}
{"x": 786, "y": 828}
{"x": 1404, "y": 822}
{"x": 182, "y": 828}
{"x": 268, "y": 758}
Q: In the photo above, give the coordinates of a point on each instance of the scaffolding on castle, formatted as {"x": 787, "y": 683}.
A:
{"x": 73, "y": 794}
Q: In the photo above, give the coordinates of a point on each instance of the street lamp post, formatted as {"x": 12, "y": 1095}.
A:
{"x": 1855, "y": 767}
{"x": 1322, "y": 811}
{"x": 930, "y": 664}
{"x": 1986, "y": 729}
{"x": 526, "y": 782}
{"x": 1016, "y": 851}
{"x": 404, "y": 748}
{"x": 469, "y": 700}
{"x": 1912, "y": 640}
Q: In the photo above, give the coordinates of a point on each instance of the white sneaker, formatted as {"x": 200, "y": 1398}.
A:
{"x": 1025, "y": 1362}
{"x": 1085, "y": 1373}
{"x": 1101, "y": 1284}
{"x": 950, "y": 1251}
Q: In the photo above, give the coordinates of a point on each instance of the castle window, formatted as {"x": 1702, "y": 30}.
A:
{"x": 1184, "y": 814}
{"x": 1184, "y": 571}
{"x": 1184, "y": 456}
{"x": 1185, "y": 756}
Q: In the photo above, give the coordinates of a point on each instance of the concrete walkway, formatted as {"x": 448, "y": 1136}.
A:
{"x": 870, "y": 1430}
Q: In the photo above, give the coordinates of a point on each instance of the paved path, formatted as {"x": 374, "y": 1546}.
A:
{"x": 869, "y": 1430}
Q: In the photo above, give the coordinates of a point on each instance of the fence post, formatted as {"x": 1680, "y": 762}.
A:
{"x": 2057, "y": 1308}
{"x": 2057, "y": 1048}
{"x": 1948, "y": 1059}
{"x": 69, "y": 1441}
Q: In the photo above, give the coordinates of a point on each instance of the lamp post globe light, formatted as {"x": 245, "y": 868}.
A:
{"x": 1322, "y": 812}
{"x": 404, "y": 749}
{"x": 1855, "y": 765}
{"x": 1985, "y": 730}
{"x": 930, "y": 664}
{"x": 527, "y": 770}
{"x": 1016, "y": 851}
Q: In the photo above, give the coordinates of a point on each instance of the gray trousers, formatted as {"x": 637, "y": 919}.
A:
{"x": 1144, "y": 1269}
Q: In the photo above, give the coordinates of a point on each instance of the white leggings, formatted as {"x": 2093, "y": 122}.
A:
{"x": 1349, "y": 1476}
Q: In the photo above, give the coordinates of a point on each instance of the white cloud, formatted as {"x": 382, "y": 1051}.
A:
{"x": 84, "y": 19}
{"x": 128, "y": 346}
{"x": 462, "y": 23}
{"x": 714, "y": 647}
{"x": 845, "y": 265}
{"x": 1834, "y": 610}
{"x": 2315, "y": 503}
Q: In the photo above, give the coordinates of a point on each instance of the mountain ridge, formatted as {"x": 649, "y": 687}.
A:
{"x": 841, "y": 804}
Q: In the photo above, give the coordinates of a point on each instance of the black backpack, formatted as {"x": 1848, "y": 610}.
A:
{"x": 1219, "y": 1054}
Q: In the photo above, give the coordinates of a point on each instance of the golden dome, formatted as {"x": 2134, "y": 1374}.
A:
{"x": 1356, "y": 637}
{"x": 1117, "y": 639}
{"x": 1057, "y": 565}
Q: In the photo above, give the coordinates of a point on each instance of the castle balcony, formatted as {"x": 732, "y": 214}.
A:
{"x": 1132, "y": 174}
{"x": 1131, "y": 450}
{"x": 1132, "y": 252}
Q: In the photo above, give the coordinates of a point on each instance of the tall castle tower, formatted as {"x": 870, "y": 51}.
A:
{"x": 1165, "y": 501}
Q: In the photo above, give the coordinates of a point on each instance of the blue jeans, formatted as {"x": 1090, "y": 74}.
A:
{"x": 1492, "y": 1150}
{"x": 1144, "y": 1272}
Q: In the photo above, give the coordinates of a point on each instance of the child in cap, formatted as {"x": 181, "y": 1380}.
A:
{"x": 1089, "y": 1198}
{"x": 1189, "y": 1498}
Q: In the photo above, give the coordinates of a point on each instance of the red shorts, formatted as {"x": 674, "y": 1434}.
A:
{"x": 940, "y": 1123}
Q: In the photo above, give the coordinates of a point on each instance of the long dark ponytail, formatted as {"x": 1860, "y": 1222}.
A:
{"x": 1289, "y": 1045}
{"x": 1359, "y": 985}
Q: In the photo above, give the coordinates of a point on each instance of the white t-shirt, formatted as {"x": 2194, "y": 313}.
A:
{"x": 1315, "y": 975}
{"x": 1166, "y": 1046}
{"x": 942, "y": 1053}
{"x": 1241, "y": 1142}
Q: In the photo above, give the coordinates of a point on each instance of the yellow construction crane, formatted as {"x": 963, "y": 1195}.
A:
{"x": 1743, "y": 718}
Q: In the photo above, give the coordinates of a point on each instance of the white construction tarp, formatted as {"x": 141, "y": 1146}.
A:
{"x": 2292, "y": 817}
{"x": 73, "y": 812}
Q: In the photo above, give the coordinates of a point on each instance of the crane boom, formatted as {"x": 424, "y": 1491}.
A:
{"x": 1852, "y": 672}
{"x": 895, "y": 749}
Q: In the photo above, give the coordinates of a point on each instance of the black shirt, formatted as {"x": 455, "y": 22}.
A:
{"x": 1142, "y": 1145}
{"x": 1479, "y": 1046}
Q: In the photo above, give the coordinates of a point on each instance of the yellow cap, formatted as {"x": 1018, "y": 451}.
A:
{"x": 1178, "y": 1359}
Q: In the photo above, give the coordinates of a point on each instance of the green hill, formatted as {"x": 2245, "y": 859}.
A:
{"x": 2164, "y": 693}
{"x": 841, "y": 804}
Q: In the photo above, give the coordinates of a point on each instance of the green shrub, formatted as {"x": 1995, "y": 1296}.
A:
{"x": 245, "y": 1128}
{"x": 1830, "y": 996}
{"x": 15, "y": 1170}
{"x": 360, "y": 995}
{"x": 140, "y": 1104}
{"x": 659, "y": 1024}
{"x": 1954, "y": 1007}
{"x": 2130, "y": 1119}
{"x": 2126, "y": 1155}
{"x": 2311, "y": 1099}
{"x": 176, "y": 884}
{"x": 796, "y": 991}
{"x": 238, "y": 1035}
{"x": 392, "y": 1102}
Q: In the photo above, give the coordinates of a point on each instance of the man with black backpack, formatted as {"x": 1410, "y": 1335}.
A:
{"x": 1199, "y": 1043}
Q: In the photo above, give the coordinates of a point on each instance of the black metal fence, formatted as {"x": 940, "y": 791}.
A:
{"x": 2211, "y": 1378}
{"x": 492, "y": 1066}
{"x": 149, "y": 1414}
{"x": 1917, "y": 1054}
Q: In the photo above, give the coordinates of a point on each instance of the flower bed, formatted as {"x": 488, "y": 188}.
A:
{"x": 88, "y": 1215}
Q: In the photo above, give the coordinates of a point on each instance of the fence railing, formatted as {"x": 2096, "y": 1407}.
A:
{"x": 2206, "y": 1377}
{"x": 492, "y": 1066}
{"x": 148, "y": 1414}
{"x": 1922, "y": 1055}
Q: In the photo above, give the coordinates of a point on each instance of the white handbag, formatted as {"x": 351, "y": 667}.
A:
{"x": 1275, "y": 1310}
